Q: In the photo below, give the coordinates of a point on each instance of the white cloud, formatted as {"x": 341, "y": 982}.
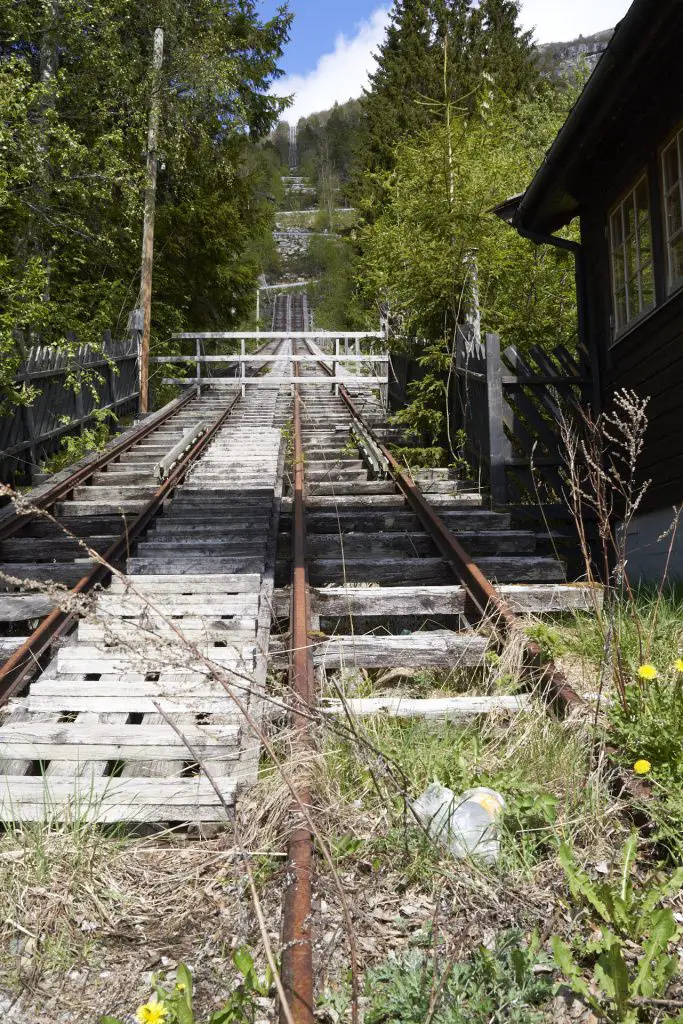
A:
{"x": 340, "y": 75}
{"x": 559, "y": 20}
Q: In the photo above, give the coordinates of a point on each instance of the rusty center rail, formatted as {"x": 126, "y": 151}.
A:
{"x": 297, "y": 944}
{"x": 15, "y": 672}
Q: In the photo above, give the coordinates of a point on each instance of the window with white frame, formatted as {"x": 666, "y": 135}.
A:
{"x": 672, "y": 181}
{"x": 630, "y": 246}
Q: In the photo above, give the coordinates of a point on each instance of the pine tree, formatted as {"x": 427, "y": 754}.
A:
{"x": 408, "y": 90}
{"x": 394, "y": 104}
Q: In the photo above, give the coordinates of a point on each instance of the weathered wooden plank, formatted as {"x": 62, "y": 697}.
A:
{"x": 440, "y": 708}
{"x": 218, "y": 605}
{"x": 351, "y": 501}
{"x": 128, "y": 702}
{"x": 418, "y": 543}
{"x": 191, "y": 564}
{"x": 369, "y": 520}
{"x": 113, "y": 799}
{"x": 525, "y": 598}
{"x": 84, "y": 658}
{"x": 103, "y": 742}
{"x": 8, "y": 645}
{"x": 143, "y": 629}
{"x": 420, "y": 650}
{"x": 433, "y": 571}
{"x": 67, "y": 573}
{"x": 190, "y": 584}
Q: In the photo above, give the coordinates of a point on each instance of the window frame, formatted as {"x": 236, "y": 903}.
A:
{"x": 673, "y": 284}
{"x": 620, "y": 249}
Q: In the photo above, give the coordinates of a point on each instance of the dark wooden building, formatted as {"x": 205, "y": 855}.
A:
{"x": 617, "y": 164}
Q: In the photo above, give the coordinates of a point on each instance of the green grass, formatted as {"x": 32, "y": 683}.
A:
{"x": 541, "y": 767}
{"x": 647, "y": 629}
{"x": 645, "y": 717}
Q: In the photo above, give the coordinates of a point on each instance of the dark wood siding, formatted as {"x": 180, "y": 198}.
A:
{"x": 648, "y": 358}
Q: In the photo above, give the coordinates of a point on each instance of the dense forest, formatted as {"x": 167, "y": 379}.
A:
{"x": 456, "y": 118}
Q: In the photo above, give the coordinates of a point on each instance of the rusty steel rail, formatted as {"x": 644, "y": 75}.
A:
{"x": 80, "y": 476}
{"x": 297, "y": 942}
{"x": 16, "y": 671}
{"x": 485, "y": 601}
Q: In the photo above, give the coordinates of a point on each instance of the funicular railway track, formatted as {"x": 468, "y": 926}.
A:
{"x": 380, "y": 581}
{"x": 358, "y": 557}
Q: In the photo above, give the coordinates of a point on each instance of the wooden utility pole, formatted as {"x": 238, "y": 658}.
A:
{"x": 148, "y": 229}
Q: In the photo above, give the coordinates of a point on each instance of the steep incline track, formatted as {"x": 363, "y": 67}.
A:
{"x": 168, "y": 667}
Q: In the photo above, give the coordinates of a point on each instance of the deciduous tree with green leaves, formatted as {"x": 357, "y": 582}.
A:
{"x": 74, "y": 98}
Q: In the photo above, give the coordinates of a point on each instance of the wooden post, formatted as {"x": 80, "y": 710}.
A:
{"x": 243, "y": 366}
{"x": 111, "y": 371}
{"x": 148, "y": 228}
{"x": 497, "y": 439}
{"x": 199, "y": 366}
{"x": 30, "y": 431}
{"x": 335, "y": 364}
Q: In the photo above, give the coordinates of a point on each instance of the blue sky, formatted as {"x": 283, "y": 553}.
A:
{"x": 317, "y": 24}
{"x": 330, "y": 53}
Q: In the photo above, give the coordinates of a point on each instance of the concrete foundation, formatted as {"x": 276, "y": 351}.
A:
{"x": 649, "y": 545}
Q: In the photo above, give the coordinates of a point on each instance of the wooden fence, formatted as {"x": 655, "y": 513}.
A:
{"x": 71, "y": 386}
{"x": 511, "y": 408}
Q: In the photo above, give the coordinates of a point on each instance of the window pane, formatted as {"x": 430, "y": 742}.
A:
{"x": 670, "y": 165}
{"x": 631, "y": 258}
{"x": 620, "y": 310}
{"x": 647, "y": 285}
{"x": 618, "y": 271}
{"x": 673, "y": 212}
{"x": 633, "y": 300}
{"x": 676, "y": 257}
{"x": 630, "y": 229}
{"x": 630, "y": 218}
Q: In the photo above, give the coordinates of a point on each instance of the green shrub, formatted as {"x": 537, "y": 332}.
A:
{"x": 626, "y": 916}
{"x": 75, "y": 447}
{"x": 492, "y": 986}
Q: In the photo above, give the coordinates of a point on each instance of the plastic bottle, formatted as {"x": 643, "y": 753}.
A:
{"x": 466, "y": 824}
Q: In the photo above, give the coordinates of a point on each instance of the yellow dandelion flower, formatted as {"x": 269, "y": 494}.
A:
{"x": 642, "y": 767}
{"x": 647, "y": 672}
{"x": 152, "y": 1013}
{"x": 678, "y": 664}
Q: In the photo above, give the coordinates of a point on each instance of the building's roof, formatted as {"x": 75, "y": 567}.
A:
{"x": 551, "y": 201}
